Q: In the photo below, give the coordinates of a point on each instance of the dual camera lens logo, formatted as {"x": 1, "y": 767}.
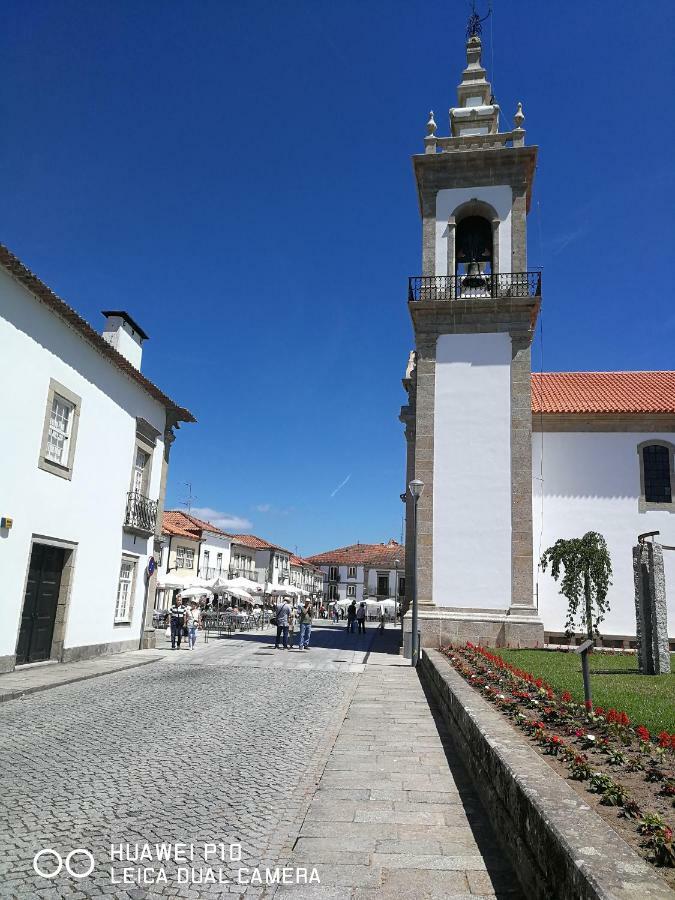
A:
{"x": 49, "y": 863}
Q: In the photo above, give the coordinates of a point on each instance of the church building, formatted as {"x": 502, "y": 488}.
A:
{"x": 511, "y": 460}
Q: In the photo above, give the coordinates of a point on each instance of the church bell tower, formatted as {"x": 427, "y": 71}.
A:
{"x": 469, "y": 416}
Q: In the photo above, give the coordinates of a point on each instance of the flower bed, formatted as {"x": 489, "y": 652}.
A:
{"x": 629, "y": 773}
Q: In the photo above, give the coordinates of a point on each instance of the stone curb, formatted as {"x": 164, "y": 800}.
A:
{"x": 18, "y": 693}
{"x": 559, "y": 846}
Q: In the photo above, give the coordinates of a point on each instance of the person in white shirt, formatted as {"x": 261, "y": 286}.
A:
{"x": 193, "y": 623}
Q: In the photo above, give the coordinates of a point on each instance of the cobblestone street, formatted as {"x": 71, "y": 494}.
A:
{"x": 290, "y": 755}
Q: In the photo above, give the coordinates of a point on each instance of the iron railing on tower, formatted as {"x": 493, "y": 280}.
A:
{"x": 502, "y": 285}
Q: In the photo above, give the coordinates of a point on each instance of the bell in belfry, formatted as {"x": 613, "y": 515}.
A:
{"x": 474, "y": 279}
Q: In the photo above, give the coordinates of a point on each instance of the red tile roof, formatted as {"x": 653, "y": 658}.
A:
{"x": 175, "y": 521}
{"x": 256, "y": 543}
{"x": 381, "y": 556}
{"x": 45, "y": 294}
{"x": 300, "y": 561}
{"x": 603, "y": 392}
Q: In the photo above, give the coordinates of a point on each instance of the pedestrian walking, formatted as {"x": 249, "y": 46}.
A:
{"x": 194, "y": 619}
{"x": 305, "y": 626}
{"x": 351, "y": 616}
{"x": 282, "y": 616}
{"x": 292, "y": 622}
{"x": 177, "y": 614}
{"x": 361, "y": 618}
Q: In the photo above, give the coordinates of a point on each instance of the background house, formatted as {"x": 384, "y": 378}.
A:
{"x": 85, "y": 475}
{"x": 191, "y": 549}
{"x": 360, "y": 571}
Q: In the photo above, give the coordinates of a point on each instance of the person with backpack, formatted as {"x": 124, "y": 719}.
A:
{"x": 305, "y": 626}
{"x": 282, "y": 618}
{"x": 361, "y": 618}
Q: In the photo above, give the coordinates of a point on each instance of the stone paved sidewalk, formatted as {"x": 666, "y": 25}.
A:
{"x": 41, "y": 677}
{"x": 395, "y": 814}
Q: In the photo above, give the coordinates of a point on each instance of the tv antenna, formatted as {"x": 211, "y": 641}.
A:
{"x": 190, "y": 497}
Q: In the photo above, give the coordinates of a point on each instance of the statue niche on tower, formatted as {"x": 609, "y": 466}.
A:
{"x": 473, "y": 259}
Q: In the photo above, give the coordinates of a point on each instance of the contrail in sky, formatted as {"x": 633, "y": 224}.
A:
{"x": 341, "y": 485}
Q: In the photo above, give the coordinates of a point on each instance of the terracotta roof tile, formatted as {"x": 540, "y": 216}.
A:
{"x": 37, "y": 287}
{"x": 174, "y": 522}
{"x": 372, "y": 555}
{"x": 603, "y": 392}
{"x": 256, "y": 543}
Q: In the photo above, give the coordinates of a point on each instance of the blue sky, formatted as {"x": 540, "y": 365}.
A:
{"x": 238, "y": 176}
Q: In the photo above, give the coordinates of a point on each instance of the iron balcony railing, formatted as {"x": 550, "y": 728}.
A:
{"x": 209, "y": 572}
{"x": 251, "y": 574}
{"x": 502, "y": 285}
{"x": 141, "y": 512}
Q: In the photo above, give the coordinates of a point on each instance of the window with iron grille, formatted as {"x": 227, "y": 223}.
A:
{"x": 351, "y": 572}
{"x": 333, "y": 573}
{"x": 351, "y": 590}
{"x": 657, "y": 476}
{"x": 125, "y": 591}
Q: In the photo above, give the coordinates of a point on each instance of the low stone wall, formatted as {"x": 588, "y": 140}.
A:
{"x": 559, "y": 846}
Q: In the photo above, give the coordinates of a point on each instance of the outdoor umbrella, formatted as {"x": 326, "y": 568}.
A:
{"x": 195, "y": 592}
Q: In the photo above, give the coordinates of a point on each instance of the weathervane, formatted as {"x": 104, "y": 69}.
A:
{"x": 474, "y": 27}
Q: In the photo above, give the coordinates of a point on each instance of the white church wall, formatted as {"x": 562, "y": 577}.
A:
{"x": 591, "y": 482}
{"x": 472, "y": 471}
{"x": 500, "y": 197}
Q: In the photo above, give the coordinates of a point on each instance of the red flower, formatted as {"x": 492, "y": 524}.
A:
{"x": 566, "y": 697}
{"x": 642, "y": 733}
{"x": 599, "y": 710}
{"x": 538, "y": 683}
{"x": 664, "y": 739}
{"x": 623, "y": 719}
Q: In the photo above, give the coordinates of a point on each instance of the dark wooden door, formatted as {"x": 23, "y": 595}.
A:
{"x": 39, "y": 605}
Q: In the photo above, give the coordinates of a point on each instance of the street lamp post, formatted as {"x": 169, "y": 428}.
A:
{"x": 397, "y": 563}
{"x": 415, "y": 487}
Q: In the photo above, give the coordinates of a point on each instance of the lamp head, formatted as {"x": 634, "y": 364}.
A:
{"x": 416, "y": 487}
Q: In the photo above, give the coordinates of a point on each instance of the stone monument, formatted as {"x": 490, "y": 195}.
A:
{"x": 650, "y": 609}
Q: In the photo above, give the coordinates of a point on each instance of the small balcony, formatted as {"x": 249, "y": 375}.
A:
{"x": 499, "y": 286}
{"x": 140, "y": 516}
{"x": 235, "y": 572}
{"x": 209, "y": 572}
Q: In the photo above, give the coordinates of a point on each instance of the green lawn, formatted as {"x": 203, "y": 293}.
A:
{"x": 648, "y": 699}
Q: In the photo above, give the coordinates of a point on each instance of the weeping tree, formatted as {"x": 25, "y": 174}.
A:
{"x": 587, "y": 573}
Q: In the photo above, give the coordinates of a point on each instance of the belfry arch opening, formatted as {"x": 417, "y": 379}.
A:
{"x": 474, "y": 252}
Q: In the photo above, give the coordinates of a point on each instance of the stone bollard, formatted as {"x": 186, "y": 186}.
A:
{"x": 650, "y": 609}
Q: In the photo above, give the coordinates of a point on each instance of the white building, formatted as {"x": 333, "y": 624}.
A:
{"x": 307, "y": 576}
{"x": 511, "y": 462}
{"x": 256, "y": 558}
{"x": 191, "y": 549}
{"x": 83, "y": 478}
{"x": 360, "y": 571}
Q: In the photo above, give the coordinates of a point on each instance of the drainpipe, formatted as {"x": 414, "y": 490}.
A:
{"x": 168, "y": 558}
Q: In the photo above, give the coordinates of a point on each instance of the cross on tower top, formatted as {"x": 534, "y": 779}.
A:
{"x": 474, "y": 26}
